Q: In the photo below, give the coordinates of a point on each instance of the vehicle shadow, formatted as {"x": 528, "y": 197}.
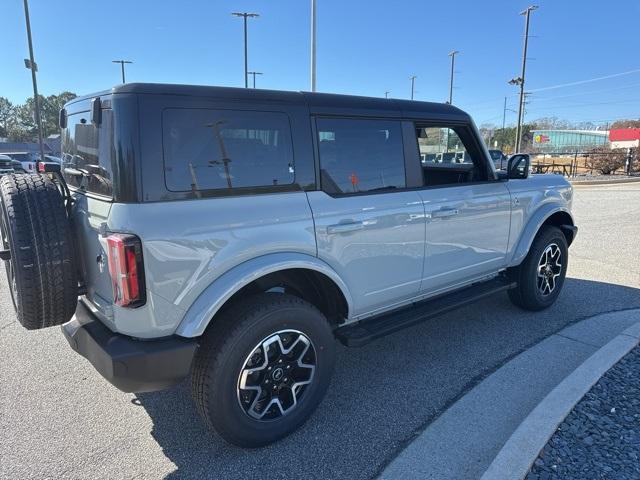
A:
{"x": 381, "y": 394}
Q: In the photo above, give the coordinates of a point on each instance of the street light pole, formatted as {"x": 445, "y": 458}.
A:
{"x": 313, "y": 45}
{"x": 453, "y": 59}
{"x": 121, "y": 62}
{"x": 527, "y": 14}
{"x": 254, "y": 77}
{"x": 386, "y": 94}
{"x": 413, "y": 82}
{"x": 31, "y": 65}
{"x": 244, "y": 16}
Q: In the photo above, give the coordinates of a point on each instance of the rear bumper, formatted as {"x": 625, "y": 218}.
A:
{"x": 129, "y": 364}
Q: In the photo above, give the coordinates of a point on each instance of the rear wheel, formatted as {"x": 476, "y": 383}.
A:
{"x": 37, "y": 239}
{"x": 541, "y": 275}
{"x": 262, "y": 369}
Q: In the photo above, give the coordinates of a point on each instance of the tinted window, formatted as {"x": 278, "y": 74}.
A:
{"x": 360, "y": 155}
{"x": 218, "y": 149}
{"x": 87, "y": 153}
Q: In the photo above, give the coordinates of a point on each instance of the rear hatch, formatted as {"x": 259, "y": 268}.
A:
{"x": 87, "y": 153}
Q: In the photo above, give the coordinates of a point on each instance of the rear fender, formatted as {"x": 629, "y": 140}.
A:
{"x": 198, "y": 316}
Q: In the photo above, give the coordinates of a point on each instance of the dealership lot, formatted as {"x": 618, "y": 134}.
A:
{"x": 60, "y": 419}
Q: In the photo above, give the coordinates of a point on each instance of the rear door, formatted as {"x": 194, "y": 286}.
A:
{"x": 467, "y": 211}
{"x": 369, "y": 228}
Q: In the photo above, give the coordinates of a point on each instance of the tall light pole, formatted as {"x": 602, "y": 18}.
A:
{"x": 386, "y": 94}
{"x": 453, "y": 59}
{"x": 413, "y": 84}
{"x": 520, "y": 80}
{"x": 313, "y": 45}
{"x": 122, "y": 62}
{"x": 244, "y": 16}
{"x": 31, "y": 65}
{"x": 254, "y": 77}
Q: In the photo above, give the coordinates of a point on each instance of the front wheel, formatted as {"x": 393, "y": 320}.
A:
{"x": 262, "y": 368}
{"x": 541, "y": 275}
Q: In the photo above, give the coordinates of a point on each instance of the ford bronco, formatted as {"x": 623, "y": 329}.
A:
{"x": 232, "y": 235}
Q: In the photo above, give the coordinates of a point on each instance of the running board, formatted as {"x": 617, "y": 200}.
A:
{"x": 364, "y": 331}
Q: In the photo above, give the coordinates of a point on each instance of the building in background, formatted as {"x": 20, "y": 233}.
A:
{"x": 625, "y": 138}
{"x": 558, "y": 141}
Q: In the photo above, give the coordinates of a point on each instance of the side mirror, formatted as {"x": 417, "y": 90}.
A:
{"x": 518, "y": 165}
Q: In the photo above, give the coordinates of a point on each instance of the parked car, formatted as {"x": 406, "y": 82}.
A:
{"x": 499, "y": 159}
{"x": 232, "y": 235}
{"x": 27, "y": 159}
{"x": 6, "y": 165}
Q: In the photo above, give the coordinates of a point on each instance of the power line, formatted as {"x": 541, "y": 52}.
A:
{"x": 580, "y": 82}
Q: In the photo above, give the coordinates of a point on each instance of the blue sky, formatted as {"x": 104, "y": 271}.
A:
{"x": 365, "y": 47}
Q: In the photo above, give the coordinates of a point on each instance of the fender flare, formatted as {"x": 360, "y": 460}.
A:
{"x": 531, "y": 229}
{"x": 200, "y": 313}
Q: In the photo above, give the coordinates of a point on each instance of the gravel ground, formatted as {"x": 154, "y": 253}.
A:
{"x": 600, "y": 439}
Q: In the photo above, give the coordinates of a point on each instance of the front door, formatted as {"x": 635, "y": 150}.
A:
{"x": 369, "y": 228}
{"x": 467, "y": 212}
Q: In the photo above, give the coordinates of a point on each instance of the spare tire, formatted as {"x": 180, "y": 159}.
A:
{"x": 37, "y": 239}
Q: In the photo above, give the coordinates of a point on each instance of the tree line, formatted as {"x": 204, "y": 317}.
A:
{"x": 18, "y": 121}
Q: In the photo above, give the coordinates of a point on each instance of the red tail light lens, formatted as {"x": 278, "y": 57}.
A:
{"x": 126, "y": 269}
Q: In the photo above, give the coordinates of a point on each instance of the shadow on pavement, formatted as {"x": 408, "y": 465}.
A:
{"x": 381, "y": 394}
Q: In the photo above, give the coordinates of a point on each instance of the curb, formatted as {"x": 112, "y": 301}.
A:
{"x": 591, "y": 183}
{"x": 519, "y": 452}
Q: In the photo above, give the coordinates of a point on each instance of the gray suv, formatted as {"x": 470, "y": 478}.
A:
{"x": 232, "y": 235}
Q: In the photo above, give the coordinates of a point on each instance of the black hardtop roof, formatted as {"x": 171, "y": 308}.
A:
{"x": 317, "y": 102}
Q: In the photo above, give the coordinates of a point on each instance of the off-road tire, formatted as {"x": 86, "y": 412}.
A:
{"x": 222, "y": 353}
{"x": 527, "y": 295}
{"x": 37, "y": 232}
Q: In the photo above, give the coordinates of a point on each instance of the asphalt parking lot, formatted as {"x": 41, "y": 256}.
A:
{"x": 60, "y": 419}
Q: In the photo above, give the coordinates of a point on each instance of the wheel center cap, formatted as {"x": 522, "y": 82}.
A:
{"x": 277, "y": 374}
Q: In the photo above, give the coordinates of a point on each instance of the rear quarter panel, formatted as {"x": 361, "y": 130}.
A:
{"x": 188, "y": 244}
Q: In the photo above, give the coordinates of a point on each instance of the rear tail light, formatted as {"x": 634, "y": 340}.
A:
{"x": 126, "y": 269}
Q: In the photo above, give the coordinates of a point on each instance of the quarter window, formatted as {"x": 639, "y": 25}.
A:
{"x": 223, "y": 149}
{"x": 87, "y": 152}
{"x": 360, "y": 155}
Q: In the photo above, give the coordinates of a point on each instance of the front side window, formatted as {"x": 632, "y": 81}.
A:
{"x": 87, "y": 153}
{"x": 441, "y": 145}
{"x": 444, "y": 158}
{"x": 223, "y": 149}
{"x": 360, "y": 155}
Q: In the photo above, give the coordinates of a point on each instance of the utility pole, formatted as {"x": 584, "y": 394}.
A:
{"x": 254, "y": 77}
{"x": 244, "y": 16}
{"x": 313, "y": 45}
{"x": 31, "y": 65}
{"x": 527, "y": 14}
{"x": 413, "y": 82}
{"x": 386, "y": 94}
{"x": 453, "y": 59}
{"x": 121, "y": 62}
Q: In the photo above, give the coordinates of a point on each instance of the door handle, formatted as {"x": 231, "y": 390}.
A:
{"x": 344, "y": 227}
{"x": 445, "y": 213}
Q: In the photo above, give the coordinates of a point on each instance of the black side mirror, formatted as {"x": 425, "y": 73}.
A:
{"x": 96, "y": 111}
{"x": 62, "y": 118}
{"x": 518, "y": 165}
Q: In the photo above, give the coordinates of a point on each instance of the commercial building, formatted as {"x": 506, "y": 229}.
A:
{"x": 558, "y": 141}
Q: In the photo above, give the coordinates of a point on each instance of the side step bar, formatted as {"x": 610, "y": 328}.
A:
{"x": 361, "y": 333}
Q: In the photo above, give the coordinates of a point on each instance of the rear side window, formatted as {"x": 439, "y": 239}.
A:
{"x": 223, "y": 149}
{"x": 360, "y": 155}
{"x": 87, "y": 153}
